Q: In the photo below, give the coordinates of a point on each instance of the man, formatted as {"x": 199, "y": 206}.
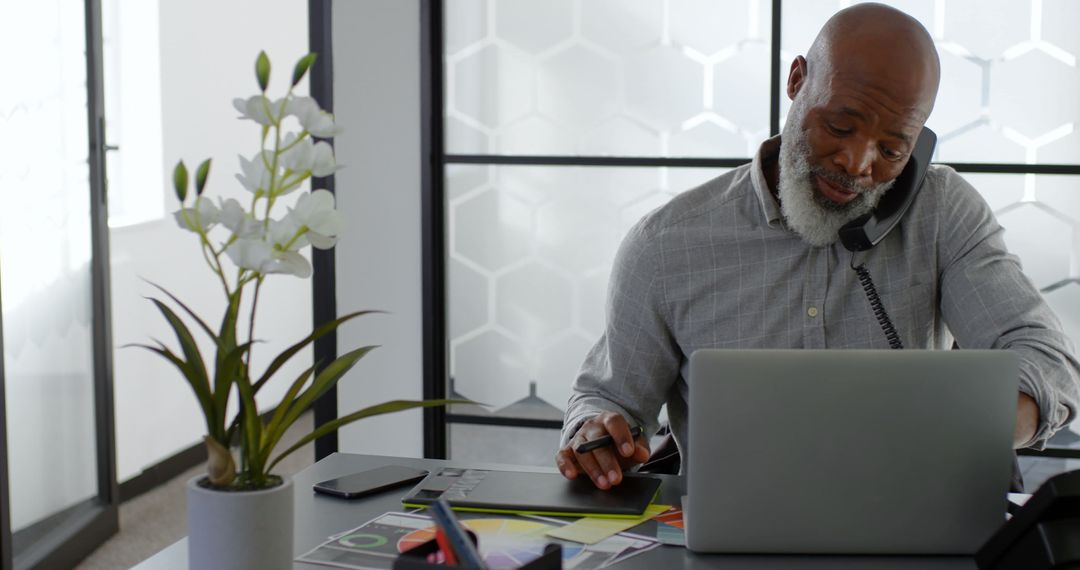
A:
{"x": 751, "y": 258}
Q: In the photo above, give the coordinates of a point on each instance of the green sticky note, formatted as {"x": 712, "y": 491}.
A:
{"x": 590, "y": 530}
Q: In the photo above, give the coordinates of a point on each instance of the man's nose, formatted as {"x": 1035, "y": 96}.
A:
{"x": 856, "y": 158}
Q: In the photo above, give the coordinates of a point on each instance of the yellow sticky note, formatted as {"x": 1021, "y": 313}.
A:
{"x": 590, "y": 530}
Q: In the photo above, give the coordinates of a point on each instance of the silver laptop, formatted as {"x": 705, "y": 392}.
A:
{"x": 848, "y": 451}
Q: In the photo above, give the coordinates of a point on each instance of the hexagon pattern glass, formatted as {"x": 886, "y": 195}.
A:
{"x": 530, "y": 253}
{"x": 533, "y": 315}
{"x": 607, "y": 77}
{"x": 531, "y": 247}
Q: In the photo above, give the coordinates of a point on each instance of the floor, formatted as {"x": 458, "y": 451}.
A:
{"x": 156, "y": 519}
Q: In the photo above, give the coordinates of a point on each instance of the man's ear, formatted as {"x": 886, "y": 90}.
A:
{"x": 796, "y": 77}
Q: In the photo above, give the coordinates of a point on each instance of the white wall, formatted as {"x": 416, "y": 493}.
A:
{"x": 377, "y": 100}
{"x": 208, "y": 50}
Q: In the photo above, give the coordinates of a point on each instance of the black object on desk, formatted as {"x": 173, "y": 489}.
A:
{"x": 537, "y": 493}
{"x": 370, "y": 481}
{"x": 1044, "y": 533}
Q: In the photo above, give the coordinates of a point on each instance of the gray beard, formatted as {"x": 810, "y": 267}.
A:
{"x": 815, "y": 218}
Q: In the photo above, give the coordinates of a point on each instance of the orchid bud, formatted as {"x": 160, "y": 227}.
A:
{"x": 262, "y": 70}
{"x": 302, "y": 67}
{"x": 180, "y": 180}
{"x": 200, "y": 176}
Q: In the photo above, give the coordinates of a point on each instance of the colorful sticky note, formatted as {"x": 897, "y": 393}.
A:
{"x": 590, "y": 530}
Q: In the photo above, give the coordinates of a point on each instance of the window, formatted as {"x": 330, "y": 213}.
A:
{"x": 132, "y": 69}
{"x": 566, "y": 121}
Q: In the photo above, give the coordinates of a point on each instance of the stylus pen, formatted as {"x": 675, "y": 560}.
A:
{"x": 605, "y": 440}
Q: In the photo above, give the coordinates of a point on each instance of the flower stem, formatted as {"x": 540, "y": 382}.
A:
{"x": 300, "y": 137}
{"x": 251, "y": 325}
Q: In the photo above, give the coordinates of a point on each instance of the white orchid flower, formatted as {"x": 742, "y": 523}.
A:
{"x": 250, "y": 253}
{"x": 255, "y": 176}
{"x": 316, "y": 212}
{"x": 301, "y": 155}
{"x": 259, "y": 108}
{"x": 238, "y": 220}
{"x": 308, "y": 156}
{"x": 284, "y": 234}
{"x": 323, "y": 163}
{"x": 293, "y": 263}
{"x": 203, "y": 215}
{"x": 260, "y": 256}
{"x": 314, "y": 120}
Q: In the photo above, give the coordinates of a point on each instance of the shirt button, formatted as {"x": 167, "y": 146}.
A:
{"x": 812, "y": 311}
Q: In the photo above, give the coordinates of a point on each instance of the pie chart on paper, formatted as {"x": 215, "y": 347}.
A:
{"x": 504, "y": 543}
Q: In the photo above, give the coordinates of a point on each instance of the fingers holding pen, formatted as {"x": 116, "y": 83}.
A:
{"x": 591, "y": 465}
{"x": 619, "y": 430}
{"x": 566, "y": 463}
{"x": 602, "y": 448}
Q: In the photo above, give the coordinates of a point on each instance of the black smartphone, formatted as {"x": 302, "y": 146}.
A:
{"x": 370, "y": 482}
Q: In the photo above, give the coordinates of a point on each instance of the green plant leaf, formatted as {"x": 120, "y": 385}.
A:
{"x": 376, "y": 410}
{"x": 262, "y": 70}
{"x": 201, "y": 393}
{"x": 325, "y": 380}
{"x": 276, "y": 427}
{"x": 202, "y": 324}
{"x": 302, "y": 67}
{"x": 224, "y": 375}
{"x": 187, "y": 342}
{"x": 200, "y": 176}
{"x": 180, "y": 181}
{"x": 316, "y": 334}
{"x": 252, "y": 424}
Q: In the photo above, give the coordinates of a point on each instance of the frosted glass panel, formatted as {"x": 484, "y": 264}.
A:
{"x": 45, "y": 261}
{"x": 530, "y": 253}
{"x": 1010, "y": 79}
{"x": 607, "y": 77}
{"x": 471, "y": 444}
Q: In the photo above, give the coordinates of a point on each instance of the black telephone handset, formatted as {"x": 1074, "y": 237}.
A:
{"x": 867, "y": 230}
{"x": 1044, "y": 533}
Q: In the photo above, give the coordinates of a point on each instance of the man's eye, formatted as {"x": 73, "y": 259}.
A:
{"x": 837, "y": 130}
{"x": 891, "y": 154}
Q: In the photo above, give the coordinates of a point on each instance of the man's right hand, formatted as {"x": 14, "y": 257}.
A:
{"x": 606, "y": 464}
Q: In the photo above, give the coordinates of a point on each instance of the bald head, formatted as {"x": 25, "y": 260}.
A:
{"x": 860, "y": 99}
{"x": 882, "y": 48}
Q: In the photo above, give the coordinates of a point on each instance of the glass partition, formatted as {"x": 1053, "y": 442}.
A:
{"x": 541, "y": 99}
{"x": 52, "y": 338}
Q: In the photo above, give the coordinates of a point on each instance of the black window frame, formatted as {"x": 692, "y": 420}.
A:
{"x": 434, "y": 240}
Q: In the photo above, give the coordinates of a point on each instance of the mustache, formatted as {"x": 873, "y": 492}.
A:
{"x": 844, "y": 181}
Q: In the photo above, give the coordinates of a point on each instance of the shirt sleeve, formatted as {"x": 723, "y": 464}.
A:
{"x": 636, "y": 361}
{"x": 988, "y": 302}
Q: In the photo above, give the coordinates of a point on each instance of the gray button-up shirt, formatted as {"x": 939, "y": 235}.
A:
{"x": 716, "y": 267}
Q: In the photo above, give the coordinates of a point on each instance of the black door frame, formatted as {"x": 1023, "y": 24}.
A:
{"x": 70, "y": 535}
{"x": 324, "y": 272}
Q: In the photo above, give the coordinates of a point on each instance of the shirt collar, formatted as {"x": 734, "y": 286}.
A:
{"x": 769, "y": 207}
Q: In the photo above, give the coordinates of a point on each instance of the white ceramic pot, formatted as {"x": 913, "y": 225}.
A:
{"x": 240, "y": 529}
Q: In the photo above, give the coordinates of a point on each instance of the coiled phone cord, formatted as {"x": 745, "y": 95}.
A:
{"x": 875, "y": 304}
